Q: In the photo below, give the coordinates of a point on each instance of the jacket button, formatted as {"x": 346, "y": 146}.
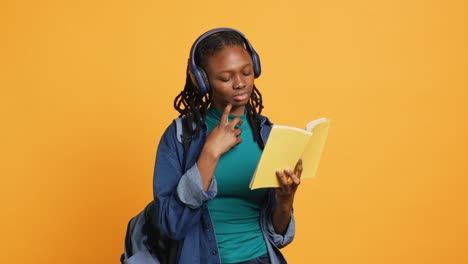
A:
{"x": 214, "y": 252}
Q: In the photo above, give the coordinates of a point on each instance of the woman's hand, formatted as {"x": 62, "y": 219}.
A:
{"x": 289, "y": 181}
{"x": 221, "y": 139}
{"x": 225, "y": 135}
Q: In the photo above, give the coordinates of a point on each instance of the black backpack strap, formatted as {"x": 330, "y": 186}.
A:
{"x": 187, "y": 131}
{"x": 184, "y": 131}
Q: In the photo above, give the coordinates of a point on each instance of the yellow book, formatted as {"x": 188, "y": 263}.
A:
{"x": 285, "y": 146}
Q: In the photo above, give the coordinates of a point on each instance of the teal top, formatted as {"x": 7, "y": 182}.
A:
{"x": 235, "y": 211}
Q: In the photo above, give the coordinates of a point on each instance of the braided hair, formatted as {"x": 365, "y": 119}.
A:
{"x": 192, "y": 104}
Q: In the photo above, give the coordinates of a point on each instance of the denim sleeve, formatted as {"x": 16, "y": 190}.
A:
{"x": 190, "y": 189}
{"x": 283, "y": 240}
{"x": 178, "y": 195}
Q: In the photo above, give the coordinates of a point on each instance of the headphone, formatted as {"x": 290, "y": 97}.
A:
{"x": 199, "y": 76}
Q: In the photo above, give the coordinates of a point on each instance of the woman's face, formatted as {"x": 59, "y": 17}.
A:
{"x": 231, "y": 76}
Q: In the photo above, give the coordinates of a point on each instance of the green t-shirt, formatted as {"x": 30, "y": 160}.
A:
{"x": 235, "y": 210}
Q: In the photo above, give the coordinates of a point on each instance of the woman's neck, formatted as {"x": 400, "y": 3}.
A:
{"x": 235, "y": 110}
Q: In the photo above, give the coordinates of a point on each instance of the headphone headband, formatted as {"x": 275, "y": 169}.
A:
{"x": 198, "y": 75}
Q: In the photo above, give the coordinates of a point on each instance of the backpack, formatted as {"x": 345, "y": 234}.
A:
{"x": 145, "y": 241}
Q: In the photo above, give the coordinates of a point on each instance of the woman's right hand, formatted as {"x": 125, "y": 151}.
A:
{"x": 221, "y": 139}
{"x": 225, "y": 135}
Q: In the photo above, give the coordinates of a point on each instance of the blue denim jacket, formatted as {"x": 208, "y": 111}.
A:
{"x": 183, "y": 205}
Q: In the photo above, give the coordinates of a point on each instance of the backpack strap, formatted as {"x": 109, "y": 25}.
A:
{"x": 184, "y": 131}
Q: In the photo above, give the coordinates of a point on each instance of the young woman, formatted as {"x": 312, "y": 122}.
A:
{"x": 202, "y": 192}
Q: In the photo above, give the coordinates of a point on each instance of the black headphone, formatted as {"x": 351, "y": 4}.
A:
{"x": 199, "y": 76}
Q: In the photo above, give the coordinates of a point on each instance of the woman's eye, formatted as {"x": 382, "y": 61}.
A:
{"x": 247, "y": 73}
{"x": 224, "y": 79}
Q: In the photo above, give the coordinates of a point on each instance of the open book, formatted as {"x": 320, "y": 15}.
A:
{"x": 285, "y": 146}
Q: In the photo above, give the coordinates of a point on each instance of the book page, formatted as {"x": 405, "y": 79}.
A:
{"x": 313, "y": 151}
{"x": 310, "y": 126}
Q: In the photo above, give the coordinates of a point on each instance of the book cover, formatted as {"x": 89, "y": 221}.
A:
{"x": 285, "y": 146}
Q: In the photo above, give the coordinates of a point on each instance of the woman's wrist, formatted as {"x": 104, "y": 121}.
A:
{"x": 285, "y": 203}
{"x": 209, "y": 155}
{"x": 284, "y": 208}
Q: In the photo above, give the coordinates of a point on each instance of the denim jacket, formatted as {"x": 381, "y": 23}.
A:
{"x": 183, "y": 204}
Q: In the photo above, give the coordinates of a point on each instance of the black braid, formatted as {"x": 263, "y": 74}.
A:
{"x": 192, "y": 104}
{"x": 254, "y": 108}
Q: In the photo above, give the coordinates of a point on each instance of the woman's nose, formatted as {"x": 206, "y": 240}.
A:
{"x": 239, "y": 82}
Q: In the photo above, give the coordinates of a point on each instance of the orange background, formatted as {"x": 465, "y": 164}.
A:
{"x": 87, "y": 89}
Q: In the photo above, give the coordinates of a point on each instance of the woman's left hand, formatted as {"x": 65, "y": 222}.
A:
{"x": 289, "y": 181}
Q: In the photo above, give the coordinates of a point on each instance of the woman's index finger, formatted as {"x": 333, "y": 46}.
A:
{"x": 226, "y": 112}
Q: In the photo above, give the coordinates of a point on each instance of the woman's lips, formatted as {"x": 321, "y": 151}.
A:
{"x": 241, "y": 97}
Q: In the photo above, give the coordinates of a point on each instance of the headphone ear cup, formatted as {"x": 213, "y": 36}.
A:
{"x": 206, "y": 82}
{"x": 254, "y": 68}
{"x": 256, "y": 63}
